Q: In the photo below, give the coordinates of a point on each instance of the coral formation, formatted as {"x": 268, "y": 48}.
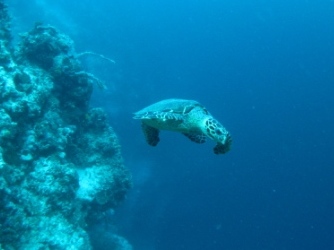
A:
{"x": 60, "y": 162}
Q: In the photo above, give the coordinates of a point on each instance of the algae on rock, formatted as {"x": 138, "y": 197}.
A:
{"x": 60, "y": 162}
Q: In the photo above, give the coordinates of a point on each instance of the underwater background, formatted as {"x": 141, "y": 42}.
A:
{"x": 265, "y": 69}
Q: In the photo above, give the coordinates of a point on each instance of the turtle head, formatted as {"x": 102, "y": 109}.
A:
{"x": 214, "y": 130}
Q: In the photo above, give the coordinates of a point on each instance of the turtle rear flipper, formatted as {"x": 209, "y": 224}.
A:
{"x": 151, "y": 134}
{"x": 198, "y": 138}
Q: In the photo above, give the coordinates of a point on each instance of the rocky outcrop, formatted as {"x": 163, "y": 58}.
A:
{"x": 61, "y": 167}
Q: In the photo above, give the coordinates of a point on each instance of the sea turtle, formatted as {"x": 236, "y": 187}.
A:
{"x": 185, "y": 116}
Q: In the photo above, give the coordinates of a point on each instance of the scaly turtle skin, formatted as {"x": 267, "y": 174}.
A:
{"x": 187, "y": 117}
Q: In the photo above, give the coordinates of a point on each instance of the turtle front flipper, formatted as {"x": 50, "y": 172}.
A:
{"x": 223, "y": 148}
{"x": 198, "y": 138}
{"x": 151, "y": 134}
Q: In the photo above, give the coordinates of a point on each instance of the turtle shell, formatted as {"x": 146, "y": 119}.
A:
{"x": 170, "y": 109}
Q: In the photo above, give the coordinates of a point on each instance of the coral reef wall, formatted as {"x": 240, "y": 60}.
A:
{"x": 61, "y": 167}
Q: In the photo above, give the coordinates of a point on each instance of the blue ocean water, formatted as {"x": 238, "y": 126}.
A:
{"x": 262, "y": 68}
